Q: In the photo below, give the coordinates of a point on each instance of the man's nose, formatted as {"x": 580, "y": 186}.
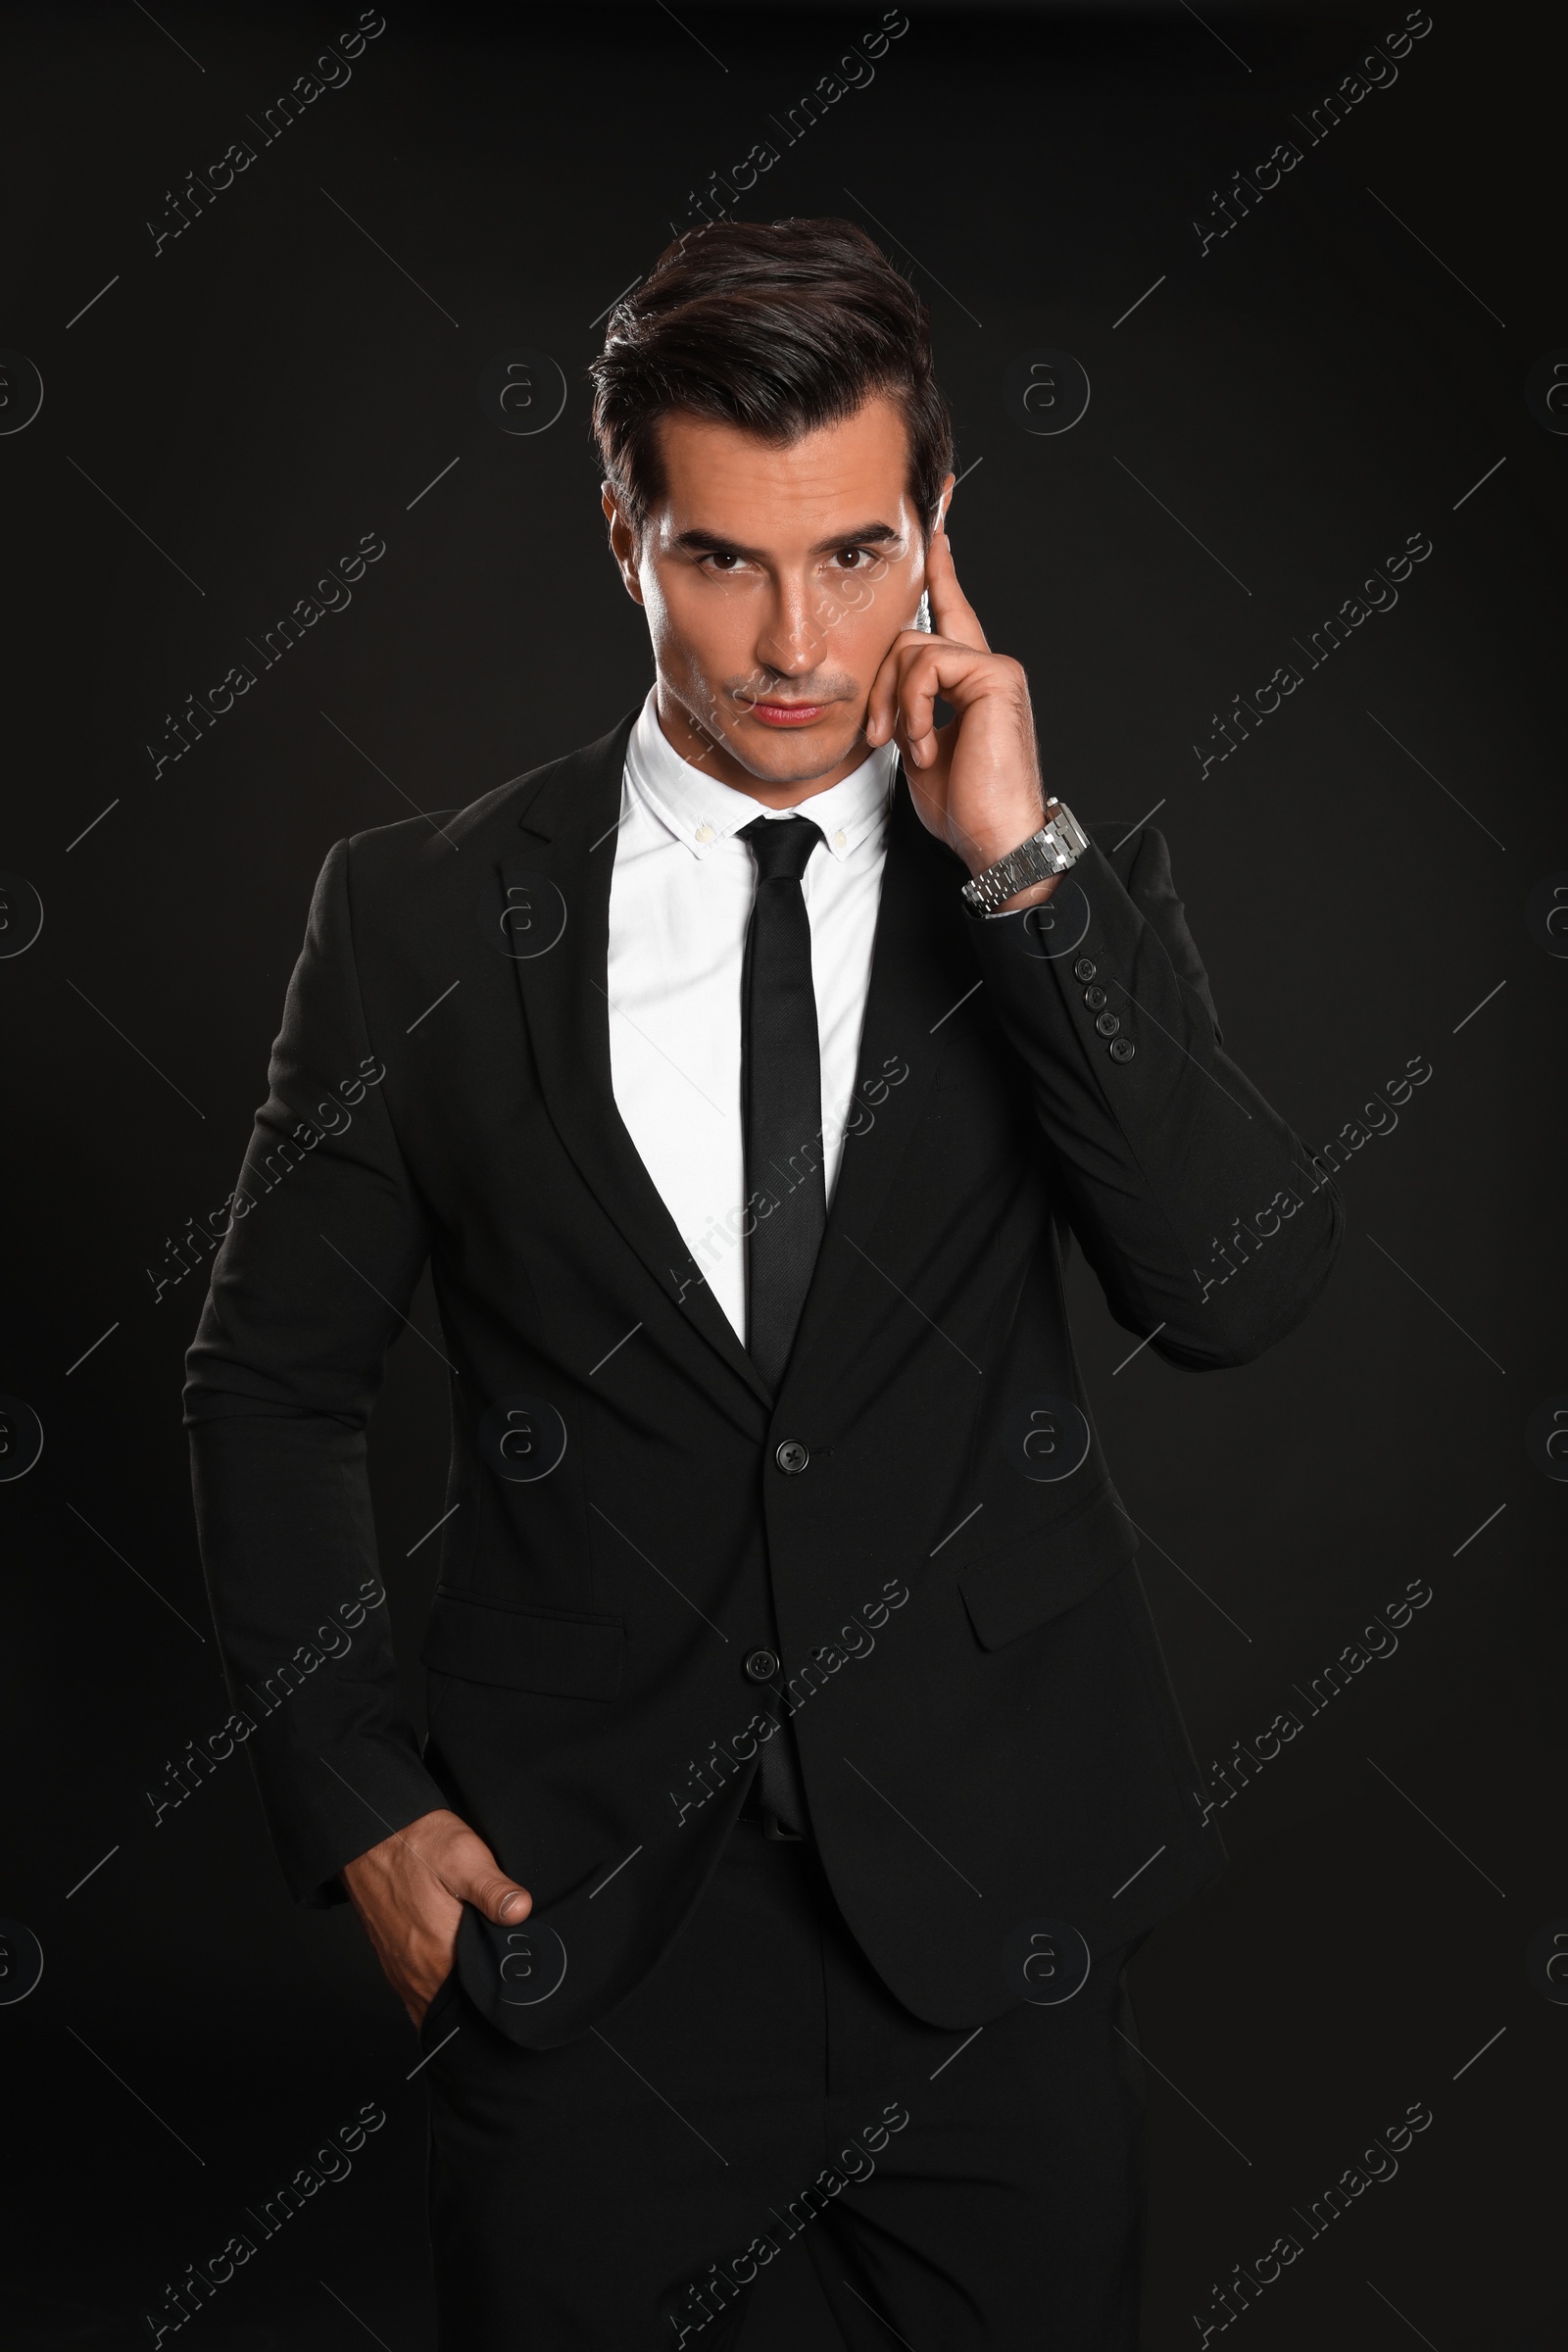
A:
{"x": 795, "y": 639}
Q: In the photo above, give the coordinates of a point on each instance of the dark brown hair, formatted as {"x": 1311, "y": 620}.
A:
{"x": 778, "y": 328}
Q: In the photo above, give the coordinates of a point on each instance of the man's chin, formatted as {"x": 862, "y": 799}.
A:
{"x": 797, "y": 755}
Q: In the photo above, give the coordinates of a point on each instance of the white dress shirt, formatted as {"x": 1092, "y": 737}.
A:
{"x": 680, "y": 899}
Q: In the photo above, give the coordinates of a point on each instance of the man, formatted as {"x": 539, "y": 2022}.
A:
{"x": 802, "y": 1767}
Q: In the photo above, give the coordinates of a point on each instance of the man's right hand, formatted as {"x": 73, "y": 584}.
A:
{"x": 409, "y": 1891}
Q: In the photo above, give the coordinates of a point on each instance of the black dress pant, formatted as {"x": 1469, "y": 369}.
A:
{"x": 762, "y": 2103}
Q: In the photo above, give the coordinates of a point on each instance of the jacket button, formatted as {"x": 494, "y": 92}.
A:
{"x": 1084, "y": 968}
{"x": 762, "y": 1666}
{"x": 1095, "y": 999}
{"x": 1122, "y": 1049}
{"x": 792, "y": 1457}
{"x": 1108, "y": 1023}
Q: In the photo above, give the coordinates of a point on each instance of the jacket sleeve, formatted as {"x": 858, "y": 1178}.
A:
{"x": 325, "y": 1241}
{"x": 1197, "y": 1208}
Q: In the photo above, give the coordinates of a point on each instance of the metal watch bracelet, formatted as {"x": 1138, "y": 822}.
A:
{"x": 1059, "y": 843}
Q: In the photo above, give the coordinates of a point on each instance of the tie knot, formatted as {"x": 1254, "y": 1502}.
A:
{"x": 781, "y": 846}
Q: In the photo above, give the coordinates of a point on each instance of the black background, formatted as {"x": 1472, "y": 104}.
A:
{"x": 227, "y": 419}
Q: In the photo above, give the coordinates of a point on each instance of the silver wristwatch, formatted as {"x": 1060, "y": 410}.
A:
{"x": 1059, "y": 843}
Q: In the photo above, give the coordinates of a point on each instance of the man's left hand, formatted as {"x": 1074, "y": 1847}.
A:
{"x": 976, "y": 781}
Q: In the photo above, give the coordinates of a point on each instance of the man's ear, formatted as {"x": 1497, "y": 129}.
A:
{"x": 938, "y": 522}
{"x": 623, "y": 542}
{"x": 944, "y": 500}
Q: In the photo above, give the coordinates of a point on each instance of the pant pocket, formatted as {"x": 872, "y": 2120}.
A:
{"x": 435, "y": 2023}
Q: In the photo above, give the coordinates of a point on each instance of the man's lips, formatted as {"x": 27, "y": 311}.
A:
{"x": 786, "y": 714}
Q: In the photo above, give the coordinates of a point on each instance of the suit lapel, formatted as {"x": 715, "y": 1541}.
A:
{"x": 567, "y": 840}
{"x": 919, "y": 974}
{"x": 920, "y": 971}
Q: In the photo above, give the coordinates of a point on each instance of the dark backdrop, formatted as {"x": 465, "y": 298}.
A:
{"x": 224, "y": 415}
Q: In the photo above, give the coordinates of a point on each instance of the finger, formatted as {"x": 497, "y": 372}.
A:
{"x": 930, "y": 666}
{"x": 943, "y": 664}
{"x": 502, "y": 1899}
{"x": 951, "y": 613}
{"x": 916, "y": 707}
{"x": 473, "y": 1874}
{"x": 882, "y": 702}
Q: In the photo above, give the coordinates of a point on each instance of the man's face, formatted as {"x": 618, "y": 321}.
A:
{"x": 774, "y": 580}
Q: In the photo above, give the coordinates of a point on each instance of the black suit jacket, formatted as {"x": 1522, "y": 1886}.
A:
{"x": 986, "y": 1727}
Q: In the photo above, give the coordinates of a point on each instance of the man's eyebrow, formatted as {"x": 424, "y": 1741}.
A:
{"x": 872, "y": 534}
{"x": 712, "y": 543}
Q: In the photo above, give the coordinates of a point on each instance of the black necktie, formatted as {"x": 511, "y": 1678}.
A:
{"x": 781, "y": 1089}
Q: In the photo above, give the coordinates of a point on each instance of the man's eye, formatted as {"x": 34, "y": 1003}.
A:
{"x": 854, "y": 558}
{"x": 721, "y": 559}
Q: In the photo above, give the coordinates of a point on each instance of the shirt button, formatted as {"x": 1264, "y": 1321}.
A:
{"x": 762, "y": 1666}
{"x": 1094, "y": 998}
{"x": 1122, "y": 1049}
{"x": 705, "y": 834}
{"x": 1108, "y": 1024}
{"x": 839, "y": 839}
{"x": 1084, "y": 968}
{"x": 792, "y": 1457}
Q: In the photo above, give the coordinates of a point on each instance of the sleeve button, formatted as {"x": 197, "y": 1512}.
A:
{"x": 1084, "y": 968}
{"x": 1108, "y": 1023}
{"x": 1094, "y": 998}
{"x": 1122, "y": 1049}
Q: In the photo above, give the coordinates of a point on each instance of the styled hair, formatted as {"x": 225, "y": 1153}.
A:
{"x": 779, "y": 328}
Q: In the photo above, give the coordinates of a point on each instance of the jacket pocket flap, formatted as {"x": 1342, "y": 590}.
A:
{"x": 1029, "y": 1581}
{"x": 558, "y": 1655}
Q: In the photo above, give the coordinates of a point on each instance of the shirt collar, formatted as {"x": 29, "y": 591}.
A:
{"x": 701, "y": 812}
